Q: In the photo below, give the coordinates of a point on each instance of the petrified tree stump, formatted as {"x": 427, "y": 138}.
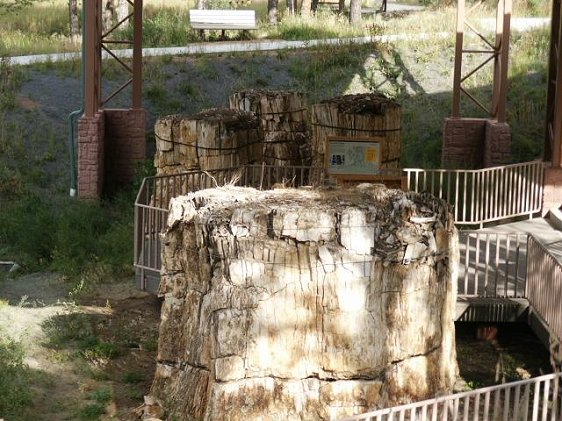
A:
{"x": 211, "y": 139}
{"x": 282, "y": 116}
{"x": 305, "y": 304}
{"x": 360, "y": 116}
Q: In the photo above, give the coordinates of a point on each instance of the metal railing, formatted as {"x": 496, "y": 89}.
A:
{"x": 155, "y": 194}
{"x": 492, "y": 264}
{"x": 544, "y": 285}
{"x": 497, "y": 272}
{"x": 533, "y": 399}
{"x": 485, "y": 195}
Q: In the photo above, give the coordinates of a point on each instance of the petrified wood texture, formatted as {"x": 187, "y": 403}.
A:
{"x": 305, "y": 304}
{"x": 282, "y": 116}
{"x": 358, "y": 116}
{"x": 211, "y": 139}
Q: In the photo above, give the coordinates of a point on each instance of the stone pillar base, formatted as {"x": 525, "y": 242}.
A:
{"x": 90, "y": 156}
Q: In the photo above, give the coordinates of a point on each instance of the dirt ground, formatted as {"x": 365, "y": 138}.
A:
{"x": 66, "y": 382}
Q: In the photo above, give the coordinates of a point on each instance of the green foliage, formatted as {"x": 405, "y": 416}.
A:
{"x": 165, "y": 27}
{"x": 66, "y": 235}
{"x": 133, "y": 377}
{"x": 77, "y": 331}
{"x": 14, "y": 6}
{"x": 322, "y": 25}
{"x": 76, "y": 328}
{"x": 15, "y": 394}
{"x": 92, "y": 411}
{"x": 101, "y": 395}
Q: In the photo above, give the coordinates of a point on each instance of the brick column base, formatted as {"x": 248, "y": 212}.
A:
{"x": 470, "y": 143}
{"x": 497, "y": 144}
{"x": 552, "y": 194}
{"x": 125, "y": 145}
{"x": 90, "y": 156}
{"x": 463, "y": 143}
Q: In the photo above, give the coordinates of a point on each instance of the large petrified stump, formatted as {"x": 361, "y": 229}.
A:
{"x": 358, "y": 116}
{"x": 305, "y": 304}
{"x": 211, "y": 139}
{"x": 282, "y": 116}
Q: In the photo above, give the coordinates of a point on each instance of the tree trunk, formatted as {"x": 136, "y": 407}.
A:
{"x": 341, "y": 6}
{"x": 355, "y": 12}
{"x": 291, "y": 7}
{"x": 306, "y": 7}
{"x": 73, "y": 15}
{"x": 122, "y": 10}
{"x": 272, "y": 9}
{"x": 108, "y": 13}
{"x": 201, "y": 4}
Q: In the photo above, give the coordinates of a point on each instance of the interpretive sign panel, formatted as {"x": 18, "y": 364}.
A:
{"x": 351, "y": 156}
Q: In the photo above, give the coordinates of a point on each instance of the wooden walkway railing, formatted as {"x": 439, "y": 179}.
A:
{"x": 534, "y": 399}
{"x": 485, "y": 195}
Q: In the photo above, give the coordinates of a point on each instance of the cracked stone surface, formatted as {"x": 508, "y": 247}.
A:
{"x": 305, "y": 304}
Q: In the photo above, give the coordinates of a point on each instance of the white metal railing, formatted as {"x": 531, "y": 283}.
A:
{"x": 485, "y": 195}
{"x": 492, "y": 264}
{"x": 155, "y": 194}
{"x": 533, "y": 399}
{"x": 544, "y": 285}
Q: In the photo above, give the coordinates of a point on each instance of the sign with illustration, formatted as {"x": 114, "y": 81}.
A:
{"x": 351, "y": 156}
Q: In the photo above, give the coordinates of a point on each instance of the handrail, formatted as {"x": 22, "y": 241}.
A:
{"x": 156, "y": 192}
{"x": 492, "y": 264}
{"x": 484, "y": 195}
{"x": 510, "y": 401}
{"x": 544, "y": 285}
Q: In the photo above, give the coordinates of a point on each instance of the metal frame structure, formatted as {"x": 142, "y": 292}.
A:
{"x": 97, "y": 41}
{"x": 496, "y": 52}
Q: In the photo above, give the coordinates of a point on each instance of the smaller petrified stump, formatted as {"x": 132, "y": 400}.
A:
{"x": 282, "y": 116}
{"x": 211, "y": 139}
{"x": 305, "y": 304}
{"x": 362, "y": 115}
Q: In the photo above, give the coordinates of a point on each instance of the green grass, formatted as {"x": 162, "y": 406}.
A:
{"x": 77, "y": 332}
{"x": 15, "y": 395}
